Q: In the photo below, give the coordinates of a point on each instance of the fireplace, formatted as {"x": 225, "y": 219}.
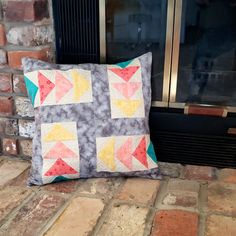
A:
{"x": 193, "y": 117}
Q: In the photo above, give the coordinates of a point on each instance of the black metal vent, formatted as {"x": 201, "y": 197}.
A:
{"x": 196, "y": 149}
{"x": 192, "y": 139}
{"x": 77, "y": 30}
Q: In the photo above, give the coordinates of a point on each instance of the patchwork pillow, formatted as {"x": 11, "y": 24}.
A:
{"x": 90, "y": 120}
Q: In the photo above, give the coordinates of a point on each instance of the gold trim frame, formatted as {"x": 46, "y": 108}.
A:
{"x": 175, "y": 53}
{"x": 102, "y": 30}
{"x": 168, "y": 51}
{"x": 168, "y": 46}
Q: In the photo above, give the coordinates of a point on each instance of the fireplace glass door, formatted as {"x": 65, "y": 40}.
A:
{"x": 137, "y": 26}
{"x": 193, "y": 43}
{"x": 204, "y": 53}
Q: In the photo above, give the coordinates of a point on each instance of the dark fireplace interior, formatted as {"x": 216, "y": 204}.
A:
{"x": 194, "y": 66}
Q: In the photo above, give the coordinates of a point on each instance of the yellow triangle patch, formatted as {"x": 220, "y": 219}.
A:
{"x": 58, "y": 133}
{"x": 107, "y": 154}
{"x": 128, "y": 107}
{"x": 81, "y": 85}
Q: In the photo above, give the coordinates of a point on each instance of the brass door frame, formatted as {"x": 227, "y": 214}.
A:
{"x": 168, "y": 53}
{"x": 175, "y": 62}
{"x": 102, "y": 30}
{"x": 168, "y": 47}
{"x": 175, "y": 52}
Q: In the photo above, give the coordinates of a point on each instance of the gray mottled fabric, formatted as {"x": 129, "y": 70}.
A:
{"x": 92, "y": 119}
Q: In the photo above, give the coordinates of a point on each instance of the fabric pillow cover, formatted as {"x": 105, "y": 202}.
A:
{"x": 90, "y": 120}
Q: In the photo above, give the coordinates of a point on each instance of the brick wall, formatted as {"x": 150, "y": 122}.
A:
{"x": 25, "y": 30}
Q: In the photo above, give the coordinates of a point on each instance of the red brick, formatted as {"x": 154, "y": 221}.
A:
{"x": 10, "y": 146}
{"x": 6, "y": 106}
{"x": 19, "y": 84}
{"x": 199, "y": 172}
{"x": 2, "y": 35}
{"x": 175, "y": 222}
{"x": 14, "y": 57}
{"x": 31, "y": 218}
{"x": 5, "y": 83}
{"x": 26, "y": 10}
{"x": 62, "y": 187}
{"x": 228, "y": 175}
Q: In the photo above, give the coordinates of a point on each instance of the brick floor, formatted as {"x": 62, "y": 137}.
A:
{"x": 175, "y": 222}
{"x": 186, "y": 202}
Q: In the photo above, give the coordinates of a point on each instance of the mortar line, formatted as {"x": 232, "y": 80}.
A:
{"x": 152, "y": 209}
{"x": 202, "y": 207}
{"x": 106, "y": 210}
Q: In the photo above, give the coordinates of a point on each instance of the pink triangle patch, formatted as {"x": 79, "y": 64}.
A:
{"x": 124, "y": 153}
{"x": 63, "y": 85}
{"x": 125, "y": 73}
{"x": 127, "y": 89}
{"x": 140, "y": 152}
{"x": 45, "y": 86}
{"x": 60, "y": 168}
{"x": 60, "y": 150}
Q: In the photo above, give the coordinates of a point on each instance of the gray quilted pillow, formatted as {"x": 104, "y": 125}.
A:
{"x": 90, "y": 120}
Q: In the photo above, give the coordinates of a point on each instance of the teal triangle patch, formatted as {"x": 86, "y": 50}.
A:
{"x": 32, "y": 89}
{"x": 59, "y": 179}
{"x": 151, "y": 152}
{"x": 124, "y": 64}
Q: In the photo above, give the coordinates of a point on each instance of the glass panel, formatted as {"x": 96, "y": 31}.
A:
{"x": 134, "y": 27}
{"x": 207, "y": 63}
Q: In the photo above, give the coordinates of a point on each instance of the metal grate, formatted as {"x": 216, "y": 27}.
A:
{"x": 195, "y": 149}
{"x": 77, "y": 30}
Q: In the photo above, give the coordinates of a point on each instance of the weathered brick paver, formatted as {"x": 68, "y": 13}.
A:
{"x": 228, "y": 175}
{"x": 103, "y": 187}
{"x": 199, "y": 172}
{"x": 31, "y": 217}
{"x": 186, "y": 202}
{"x": 124, "y": 220}
{"x": 11, "y": 169}
{"x": 139, "y": 190}
{"x": 79, "y": 218}
{"x": 10, "y": 198}
{"x": 182, "y": 193}
{"x": 222, "y": 197}
{"x": 68, "y": 187}
{"x": 170, "y": 169}
{"x": 175, "y": 222}
{"x": 221, "y": 225}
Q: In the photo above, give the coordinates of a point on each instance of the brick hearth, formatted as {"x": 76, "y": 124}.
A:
{"x": 190, "y": 204}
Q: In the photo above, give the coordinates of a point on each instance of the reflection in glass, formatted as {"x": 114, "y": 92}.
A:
{"x": 207, "y": 66}
{"x": 134, "y": 27}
